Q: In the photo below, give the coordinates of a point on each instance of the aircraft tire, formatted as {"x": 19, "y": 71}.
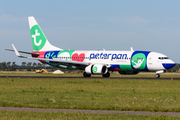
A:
{"x": 86, "y": 75}
{"x": 106, "y": 75}
{"x": 157, "y": 75}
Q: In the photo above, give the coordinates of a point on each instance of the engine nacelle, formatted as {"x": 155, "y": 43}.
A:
{"x": 96, "y": 69}
{"x": 128, "y": 72}
{"x": 161, "y": 71}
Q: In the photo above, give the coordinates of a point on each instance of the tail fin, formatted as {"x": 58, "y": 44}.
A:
{"x": 39, "y": 40}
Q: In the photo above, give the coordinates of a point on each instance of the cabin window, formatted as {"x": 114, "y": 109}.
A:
{"x": 162, "y": 58}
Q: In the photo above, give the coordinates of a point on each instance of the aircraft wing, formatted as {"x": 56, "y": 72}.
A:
{"x": 54, "y": 60}
{"x": 58, "y": 61}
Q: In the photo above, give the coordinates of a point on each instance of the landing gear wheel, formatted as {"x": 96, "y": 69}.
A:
{"x": 157, "y": 75}
{"x": 106, "y": 75}
{"x": 86, "y": 75}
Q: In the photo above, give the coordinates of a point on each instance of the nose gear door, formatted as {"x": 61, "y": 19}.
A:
{"x": 150, "y": 61}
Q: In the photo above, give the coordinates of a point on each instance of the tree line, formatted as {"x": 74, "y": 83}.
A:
{"x": 29, "y": 66}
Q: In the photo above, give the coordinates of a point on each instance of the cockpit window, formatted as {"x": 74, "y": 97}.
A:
{"x": 162, "y": 58}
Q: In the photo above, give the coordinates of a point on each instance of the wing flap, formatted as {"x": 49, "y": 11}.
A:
{"x": 61, "y": 61}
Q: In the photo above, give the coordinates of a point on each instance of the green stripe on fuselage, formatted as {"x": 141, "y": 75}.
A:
{"x": 126, "y": 67}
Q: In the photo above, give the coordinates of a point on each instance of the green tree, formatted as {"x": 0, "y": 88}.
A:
{"x": 174, "y": 69}
{"x": 39, "y": 65}
{"x": 8, "y": 65}
{"x": 3, "y": 66}
{"x": 13, "y": 66}
{"x": 29, "y": 66}
{"x": 23, "y": 65}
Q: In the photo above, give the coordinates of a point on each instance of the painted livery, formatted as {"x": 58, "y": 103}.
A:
{"x": 94, "y": 62}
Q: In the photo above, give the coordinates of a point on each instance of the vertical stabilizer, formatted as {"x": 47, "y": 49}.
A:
{"x": 39, "y": 40}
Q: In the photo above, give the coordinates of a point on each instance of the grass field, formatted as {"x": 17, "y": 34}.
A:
{"x": 95, "y": 94}
{"x": 103, "y": 94}
{"x": 20, "y": 115}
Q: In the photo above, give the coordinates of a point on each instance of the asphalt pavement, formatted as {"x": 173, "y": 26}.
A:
{"x": 173, "y": 114}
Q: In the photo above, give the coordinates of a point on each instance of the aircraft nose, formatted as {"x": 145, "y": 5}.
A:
{"x": 169, "y": 64}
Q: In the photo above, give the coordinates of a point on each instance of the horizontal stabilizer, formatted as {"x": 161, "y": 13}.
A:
{"x": 36, "y": 54}
{"x": 16, "y": 51}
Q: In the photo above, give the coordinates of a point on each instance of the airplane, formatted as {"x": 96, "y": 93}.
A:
{"x": 93, "y": 62}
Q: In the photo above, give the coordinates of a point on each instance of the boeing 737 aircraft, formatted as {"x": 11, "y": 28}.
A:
{"x": 93, "y": 62}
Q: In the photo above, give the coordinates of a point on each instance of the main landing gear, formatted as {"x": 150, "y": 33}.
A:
{"x": 106, "y": 75}
{"x": 86, "y": 75}
{"x": 157, "y": 75}
{"x": 89, "y": 75}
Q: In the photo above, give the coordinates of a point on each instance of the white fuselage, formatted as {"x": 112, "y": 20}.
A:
{"x": 122, "y": 60}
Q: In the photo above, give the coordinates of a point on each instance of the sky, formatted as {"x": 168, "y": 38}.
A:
{"x": 151, "y": 25}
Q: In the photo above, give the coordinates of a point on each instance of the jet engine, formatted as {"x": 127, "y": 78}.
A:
{"x": 128, "y": 72}
{"x": 96, "y": 69}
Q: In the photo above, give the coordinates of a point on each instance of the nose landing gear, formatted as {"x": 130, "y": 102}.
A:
{"x": 159, "y": 72}
{"x": 157, "y": 75}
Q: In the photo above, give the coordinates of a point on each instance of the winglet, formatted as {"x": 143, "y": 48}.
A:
{"x": 16, "y": 51}
{"x": 132, "y": 49}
